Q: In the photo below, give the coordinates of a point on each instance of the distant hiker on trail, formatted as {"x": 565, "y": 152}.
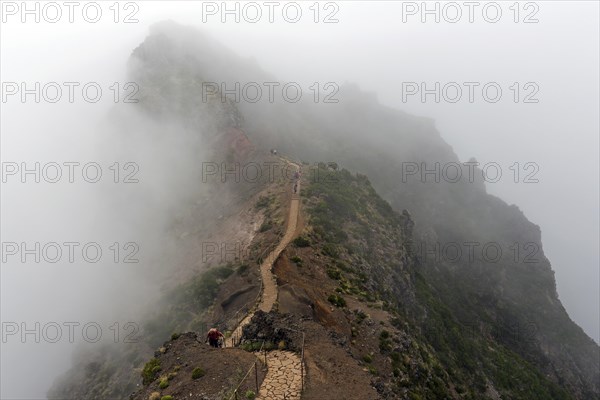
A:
{"x": 295, "y": 187}
{"x": 274, "y": 152}
{"x": 213, "y": 337}
{"x": 296, "y": 175}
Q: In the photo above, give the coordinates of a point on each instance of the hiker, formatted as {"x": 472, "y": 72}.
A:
{"x": 274, "y": 152}
{"x": 213, "y": 337}
{"x": 295, "y": 187}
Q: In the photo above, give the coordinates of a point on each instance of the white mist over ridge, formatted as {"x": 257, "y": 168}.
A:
{"x": 146, "y": 168}
{"x": 559, "y": 133}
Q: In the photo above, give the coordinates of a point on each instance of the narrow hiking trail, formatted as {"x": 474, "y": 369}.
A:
{"x": 283, "y": 380}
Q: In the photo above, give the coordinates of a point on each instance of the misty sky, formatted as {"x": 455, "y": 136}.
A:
{"x": 369, "y": 45}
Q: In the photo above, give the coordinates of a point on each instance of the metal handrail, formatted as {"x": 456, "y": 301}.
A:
{"x": 235, "y": 391}
{"x": 302, "y": 365}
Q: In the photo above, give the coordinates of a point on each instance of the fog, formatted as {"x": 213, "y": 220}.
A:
{"x": 369, "y": 45}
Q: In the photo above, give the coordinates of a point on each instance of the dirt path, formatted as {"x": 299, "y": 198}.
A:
{"x": 283, "y": 380}
{"x": 269, "y": 296}
{"x": 269, "y": 291}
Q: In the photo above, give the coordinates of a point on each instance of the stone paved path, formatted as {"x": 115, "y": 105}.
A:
{"x": 283, "y": 377}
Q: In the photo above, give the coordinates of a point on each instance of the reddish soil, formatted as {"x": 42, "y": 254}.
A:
{"x": 332, "y": 371}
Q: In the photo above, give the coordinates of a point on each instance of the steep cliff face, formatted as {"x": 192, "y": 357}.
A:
{"x": 455, "y": 359}
{"x": 477, "y": 325}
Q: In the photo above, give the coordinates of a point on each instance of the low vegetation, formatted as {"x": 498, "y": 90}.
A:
{"x": 337, "y": 300}
{"x": 163, "y": 384}
{"x": 150, "y": 371}
{"x": 296, "y": 260}
{"x": 198, "y": 373}
{"x": 301, "y": 241}
{"x": 362, "y": 238}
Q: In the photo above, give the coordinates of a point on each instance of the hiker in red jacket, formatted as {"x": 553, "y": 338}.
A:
{"x": 213, "y": 337}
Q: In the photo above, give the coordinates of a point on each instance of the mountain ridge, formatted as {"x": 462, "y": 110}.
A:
{"x": 512, "y": 305}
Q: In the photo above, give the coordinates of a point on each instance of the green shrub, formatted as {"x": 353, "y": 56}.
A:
{"x": 301, "y": 241}
{"x": 331, "y": 250}
{"x": 415, "y": 396}
{"x": 297, "y": 260}
{"x": 150, "y": 371}
{"x": 367, "y": 358}
{"x": 360, "y": 316}
{"x": 164, "y": 383}
{"x": 343, "y": 266}
{"x": 198, "y": 373}
{"x": 263, "y": 202}
{"x": 334, "y": 273}
{"x": 167, "y": 397}
{"x": 385, "y": 345}
{"x": 175, "y": 336}
{"x": 250, "y": 394}
{"x": 242, "y": 269}
{"x": 337, "y": 300}
{"x": 251, "y": 346}
{"x": 265, "y": 226}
